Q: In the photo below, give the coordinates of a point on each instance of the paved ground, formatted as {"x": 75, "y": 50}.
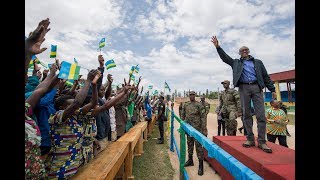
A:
{"x": 212, "y": 125}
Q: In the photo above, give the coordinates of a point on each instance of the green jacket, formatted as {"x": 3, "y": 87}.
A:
{"x": 237, "y": 67}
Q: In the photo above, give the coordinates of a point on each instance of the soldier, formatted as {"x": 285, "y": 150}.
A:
{"x": 193, "y": 113}
{"x": 161, "y": 117}
{"x": 230, "y": 107}
{"x": 207, "y": 107}
{"x": 180, "y": 109}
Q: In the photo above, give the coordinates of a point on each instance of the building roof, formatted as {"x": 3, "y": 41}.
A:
{"x": 284, "y": 76}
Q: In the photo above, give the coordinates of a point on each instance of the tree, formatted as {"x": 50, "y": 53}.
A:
{"x": 213, "y": 95}
{"x": 207, "y": 93}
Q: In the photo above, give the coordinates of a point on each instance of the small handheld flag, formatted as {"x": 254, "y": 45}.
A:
{"x": 69, "y": 71}
{"x": 133, "y": 78}
{"x": 137, "y": 68}
{"x": 110, "y": 64}
{"x": 53, "y": 52}
{"x": 150, "y": 87}
{"x": 102, "y": 43}
{"x": 167, "y": 86}
{"x": 131, "y": 70}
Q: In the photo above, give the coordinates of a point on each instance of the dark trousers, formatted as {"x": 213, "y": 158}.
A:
{"x": 282, "y": 139}
{"x": 244, "y": 129}
{"x": 248, "y": 92}
{"x": 221, "y": 124}
{"x": 161, "y": 128}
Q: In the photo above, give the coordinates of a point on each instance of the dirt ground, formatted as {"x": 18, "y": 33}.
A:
{"x": 212, "y": 125}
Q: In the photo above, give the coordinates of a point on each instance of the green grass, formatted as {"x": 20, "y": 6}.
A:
{"x": 155, "y": 162}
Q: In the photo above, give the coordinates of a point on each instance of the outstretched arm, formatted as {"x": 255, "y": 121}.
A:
{"x": 108, "y": 90}
{"x": 112, "y": 101}
{"x": 34, "y": 41}
{"x": 80, "y": 97}
{"x": 42, "y": 88}
{"x": 94, "y": 98}
{"x": 224, "y": 56}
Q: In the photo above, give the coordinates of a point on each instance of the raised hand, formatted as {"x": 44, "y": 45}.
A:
{"x": 97, "y": 76}
{"x": 101, "y": 60}
{"x": 215, "y": 41}
{"x": 35, "y": 65}
{"x": 53, "y": 68}
{"x": 45, "y": 72}
{"x": 109, "y": 77}
{"x": 124, "y": 80}
{"x": 92, "y": 74}
{"x": 36, "y": 38}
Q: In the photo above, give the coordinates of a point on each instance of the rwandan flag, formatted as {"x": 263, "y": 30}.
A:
{"x": 32, "y": 59}
{"x": 70, "y": 82}
{"x": 69, "y": 71}
{"x": 137, "y": 68}
{"x": 102, "y": 43}
{"x": 150, "y": 86}
{"x": 155, "y": 92}
{"x": 167, "y": 86}
{"x": 133, "y": 78}
{"x": 131, "y": 71}
{"x": 53, "y": 52}
{"x": 110, "y": 64}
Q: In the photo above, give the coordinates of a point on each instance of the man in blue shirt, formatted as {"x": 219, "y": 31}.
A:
{"x": 250, "y": 75}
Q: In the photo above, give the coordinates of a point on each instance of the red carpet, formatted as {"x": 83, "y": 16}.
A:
{"x": 280, "y": 164}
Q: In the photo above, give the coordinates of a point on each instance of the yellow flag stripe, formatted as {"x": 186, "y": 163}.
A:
{"x": 72, "y": 71}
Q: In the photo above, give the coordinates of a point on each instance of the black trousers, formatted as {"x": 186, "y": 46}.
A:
{"x": 282, "y": 139}
{"x": 161, "y": 128}
{"x": 221, "y": 124}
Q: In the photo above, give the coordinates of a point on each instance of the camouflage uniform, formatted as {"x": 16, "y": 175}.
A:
{"x": 229, "y": 105}
{"x": 207, "y": 107}
{"x": 180, "y": 109}
{"x": 193, "y": 113}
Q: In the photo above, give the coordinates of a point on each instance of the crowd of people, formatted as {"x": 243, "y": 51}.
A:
{"x": 67, "y": 125}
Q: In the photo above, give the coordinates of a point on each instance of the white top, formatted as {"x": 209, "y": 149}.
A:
{"x": 112, "y": 114}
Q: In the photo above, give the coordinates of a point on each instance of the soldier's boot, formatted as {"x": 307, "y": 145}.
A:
{"x": 200, "y": 170}
{"x": 189, "y": 162}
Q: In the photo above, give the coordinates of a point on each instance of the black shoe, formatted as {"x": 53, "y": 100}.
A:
{"x": 160, "y": 141}
{"x": 200, "y": 170}
{"x": 189, "y": 162}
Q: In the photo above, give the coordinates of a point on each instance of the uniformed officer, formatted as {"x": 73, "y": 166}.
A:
{"x": 207, "y": 107}
{"x": 230, "y": 107}
{"x": 180, "y": 109}
{"x": 193, "y": 113}
{"x": 161, "y": 117}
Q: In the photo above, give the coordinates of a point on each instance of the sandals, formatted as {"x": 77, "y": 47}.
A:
{"x": 248, "y": 144}
{"x": 265, "y": 148}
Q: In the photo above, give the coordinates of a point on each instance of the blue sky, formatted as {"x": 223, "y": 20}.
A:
{"x": 170, "y": 40}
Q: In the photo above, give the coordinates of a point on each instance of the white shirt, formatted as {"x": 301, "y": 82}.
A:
{"x": 112, "y": 114}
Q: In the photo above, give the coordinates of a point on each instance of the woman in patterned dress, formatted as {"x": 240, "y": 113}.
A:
{"x": 277, "y": 121}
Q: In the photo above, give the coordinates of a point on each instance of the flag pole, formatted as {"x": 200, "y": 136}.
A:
{"x": 100, "y": 51}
